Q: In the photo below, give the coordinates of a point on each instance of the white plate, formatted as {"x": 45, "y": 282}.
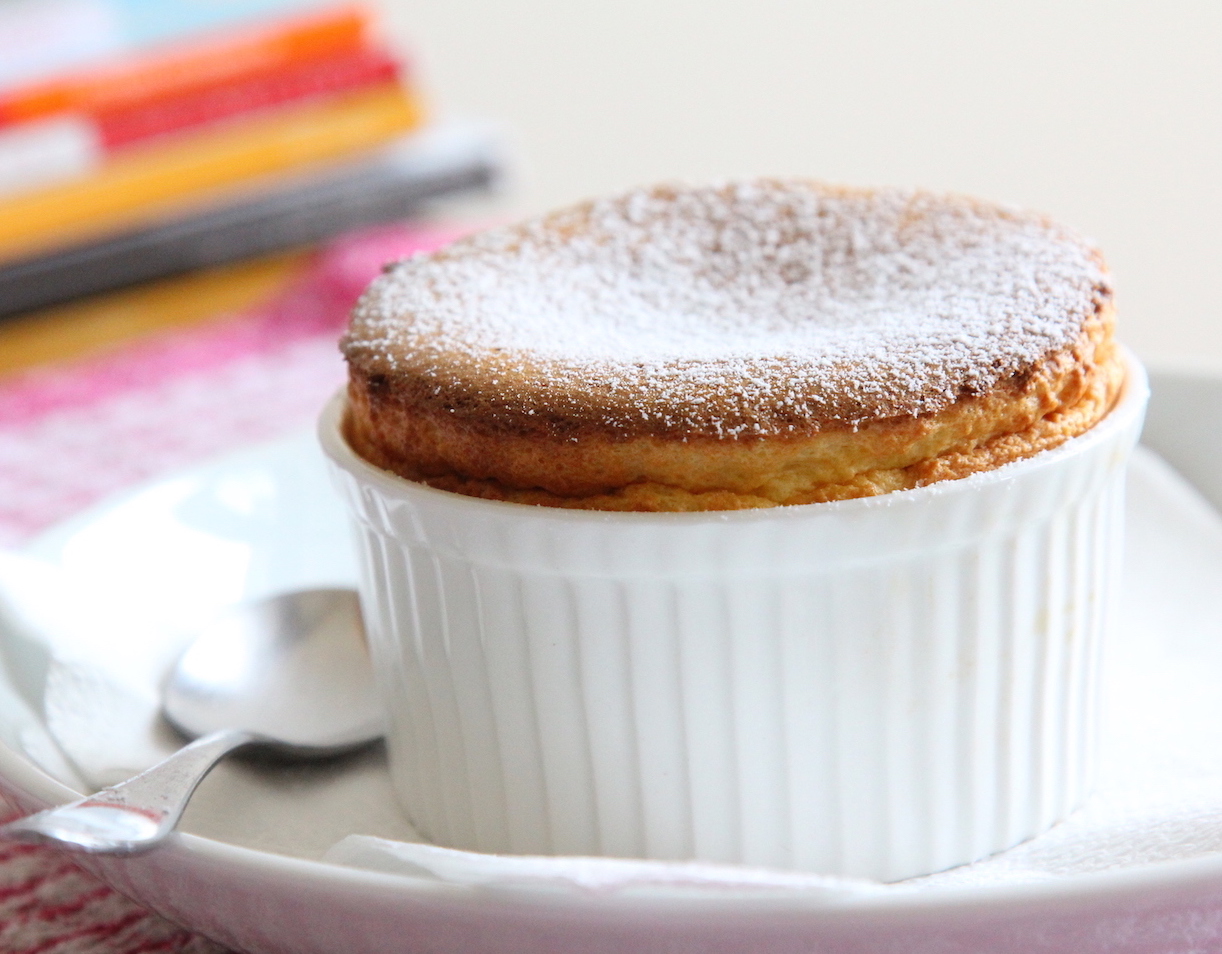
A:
{"x": 246, "y": 875}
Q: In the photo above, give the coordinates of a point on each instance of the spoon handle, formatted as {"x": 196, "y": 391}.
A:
{"x": 135, "y": 815}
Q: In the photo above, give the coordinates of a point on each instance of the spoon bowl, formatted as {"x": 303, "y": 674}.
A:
{"x": 293, "y": 669}
{"x": 290, "y": 673}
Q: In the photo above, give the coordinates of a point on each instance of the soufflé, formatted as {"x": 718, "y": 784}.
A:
{"x": 753, "y": 344}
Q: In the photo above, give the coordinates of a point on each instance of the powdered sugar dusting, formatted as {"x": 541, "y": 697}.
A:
{"x": 747, "y": 308}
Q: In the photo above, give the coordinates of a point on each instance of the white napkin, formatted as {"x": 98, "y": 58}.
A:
{"x": 1159, "y": 797}
{"x": 32, "y": 611}
{"x": 101, "y": 663}
{"x": 587, "y": 875}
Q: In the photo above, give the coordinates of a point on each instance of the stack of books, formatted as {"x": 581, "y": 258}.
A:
{"x": 249, "y": 138}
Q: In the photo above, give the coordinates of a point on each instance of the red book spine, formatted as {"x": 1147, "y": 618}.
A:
{"x": 124, "y": 126}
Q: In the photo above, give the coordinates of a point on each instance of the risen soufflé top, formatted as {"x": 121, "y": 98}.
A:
{"x": 720, "y": 317}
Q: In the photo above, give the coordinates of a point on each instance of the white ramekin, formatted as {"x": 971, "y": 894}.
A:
{"x": 882, "y": 687}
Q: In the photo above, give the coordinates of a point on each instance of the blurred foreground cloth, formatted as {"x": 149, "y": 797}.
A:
{"x": 73, "y": 433}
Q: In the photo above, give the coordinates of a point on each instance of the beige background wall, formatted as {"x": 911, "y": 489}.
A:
{"x": 1106, "y": 114}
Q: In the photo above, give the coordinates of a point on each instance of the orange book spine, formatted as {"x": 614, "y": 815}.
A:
{"x": 187, "y": 68}
{"x": 150, "y": 182}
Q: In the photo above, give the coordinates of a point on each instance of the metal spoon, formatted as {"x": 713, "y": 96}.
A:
{"x": 290, "y": 674}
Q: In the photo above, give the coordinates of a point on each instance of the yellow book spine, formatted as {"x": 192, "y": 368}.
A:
{"x": 145, "y": 184}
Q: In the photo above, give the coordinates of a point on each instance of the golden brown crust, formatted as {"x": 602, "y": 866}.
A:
{"x": 752, "y": 344}
{"x": 777, "y": 308}
{"x": 1063, "y": 396}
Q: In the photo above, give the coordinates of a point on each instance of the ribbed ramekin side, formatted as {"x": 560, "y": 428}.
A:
{"x": 730, "y": 689}
{"x": 881, "y": 721}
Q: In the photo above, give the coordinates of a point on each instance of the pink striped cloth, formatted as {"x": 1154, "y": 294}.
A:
{"x": 74, "y": 433}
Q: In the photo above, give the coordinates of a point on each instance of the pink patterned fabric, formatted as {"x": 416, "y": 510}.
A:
{"x": 74, "y": 433}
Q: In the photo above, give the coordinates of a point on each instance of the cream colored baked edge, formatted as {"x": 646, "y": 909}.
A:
{"x": 1065, "y": 396}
